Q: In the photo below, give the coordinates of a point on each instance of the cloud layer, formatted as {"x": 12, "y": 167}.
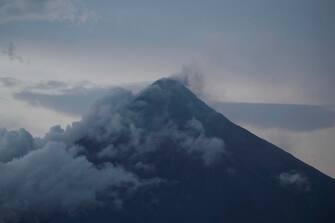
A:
{"x": 68, "y": 98}
{"x": 76, "y": 99}
{"x": 293, "y": 117}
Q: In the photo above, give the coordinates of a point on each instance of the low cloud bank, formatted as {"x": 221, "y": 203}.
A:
{"x": 103, "y": 152}
{"x": 51, "y": 178}
{"x": 49, "y": 175}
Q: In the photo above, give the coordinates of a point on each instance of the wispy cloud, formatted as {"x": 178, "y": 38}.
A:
{"x": 11, "y": 53}
{"x": 45, "y": 10}
{"x": 74, "y": 101}
{"x": 9, "y": 81}
{"x": 296, "y": 180}
{"x": 68, "y": 98}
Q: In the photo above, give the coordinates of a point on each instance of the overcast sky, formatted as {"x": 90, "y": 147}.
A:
{"x": 260, "y": 51}
{"x": 245, "y": 47}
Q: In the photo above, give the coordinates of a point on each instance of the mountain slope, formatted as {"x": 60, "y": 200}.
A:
{"x": 193, "y": 165}
{"x": 265, "y": 179}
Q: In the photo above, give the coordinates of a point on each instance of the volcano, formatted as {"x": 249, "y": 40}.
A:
{"x": 193, "y": 165}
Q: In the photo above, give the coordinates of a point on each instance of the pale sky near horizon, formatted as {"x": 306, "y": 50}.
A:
{"x": 260, "y": 51}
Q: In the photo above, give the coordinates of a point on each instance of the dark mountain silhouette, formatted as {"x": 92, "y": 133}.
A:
{"x": 200, "y": 167}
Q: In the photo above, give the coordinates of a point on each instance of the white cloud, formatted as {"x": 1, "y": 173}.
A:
{"x": 60, "y": 172}
{"x": 44, "y": 10}
{"x": 194, "y": 141}
{"x": 52, "y": 179}
{"x": 14, "y": 144}
{"x": 296, "y": 180}
{"x": 110, "y": 121}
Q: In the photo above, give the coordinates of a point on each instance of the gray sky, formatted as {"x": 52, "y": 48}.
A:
{"x": 245, "y": 47}
{"x": 260, "y": 51}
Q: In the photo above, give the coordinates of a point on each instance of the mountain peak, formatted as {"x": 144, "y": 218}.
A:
{"x": 169, "y": 100}
{"x": 168, "y": 82}
{"x": 167, "y": 87}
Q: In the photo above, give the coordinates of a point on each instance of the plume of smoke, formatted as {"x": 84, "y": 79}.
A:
{"x": 191, "y": 76}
